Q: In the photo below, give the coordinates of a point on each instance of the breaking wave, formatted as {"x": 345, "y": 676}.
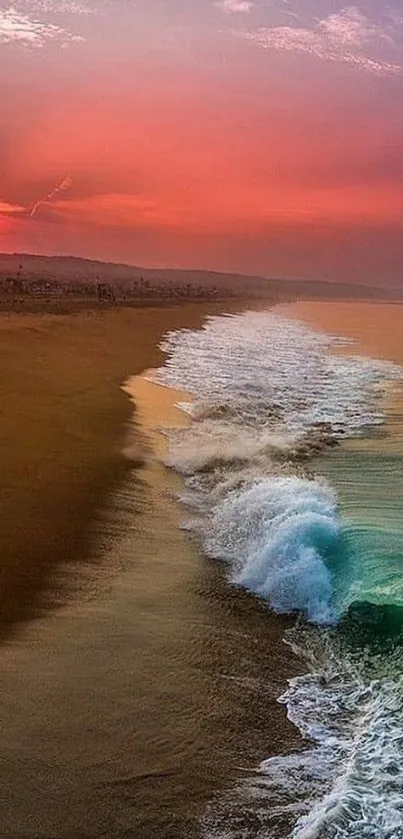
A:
{"x": 276, "y": 535}
{"x": 267, "y": 394}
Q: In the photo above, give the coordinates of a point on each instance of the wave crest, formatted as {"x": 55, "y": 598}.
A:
{"x": 277, "y": 535}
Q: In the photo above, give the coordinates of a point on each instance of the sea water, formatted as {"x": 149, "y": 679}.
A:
{"x": 315, "y": 532}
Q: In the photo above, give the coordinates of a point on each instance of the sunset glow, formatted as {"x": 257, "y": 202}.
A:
{"x": 248, "y": 136}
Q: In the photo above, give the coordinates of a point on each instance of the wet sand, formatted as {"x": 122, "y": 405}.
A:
{"x": 154, "y": 685}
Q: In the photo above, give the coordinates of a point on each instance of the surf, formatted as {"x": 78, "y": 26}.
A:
{"x": 268, "y": 396}
{"x": 268, "y": 393}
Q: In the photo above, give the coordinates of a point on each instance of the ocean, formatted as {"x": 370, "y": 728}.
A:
{"x": 293, "y": 483}
{"x": 224, "y": 658}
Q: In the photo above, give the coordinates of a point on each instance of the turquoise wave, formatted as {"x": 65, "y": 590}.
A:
{"x": 367, "y": 566}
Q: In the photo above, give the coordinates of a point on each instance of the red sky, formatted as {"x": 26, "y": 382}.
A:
{"x": 262, "y": 137}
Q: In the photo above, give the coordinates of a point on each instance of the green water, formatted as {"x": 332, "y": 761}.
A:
{"x": 367, "y": 567}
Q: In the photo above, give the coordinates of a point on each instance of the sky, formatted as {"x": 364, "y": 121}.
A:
{"x": 257, "y": 136}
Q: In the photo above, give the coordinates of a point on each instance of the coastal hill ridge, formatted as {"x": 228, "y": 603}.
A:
{"x": 25, "y": 278}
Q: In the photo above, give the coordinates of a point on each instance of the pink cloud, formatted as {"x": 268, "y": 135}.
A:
{"x": 347, "y": 36}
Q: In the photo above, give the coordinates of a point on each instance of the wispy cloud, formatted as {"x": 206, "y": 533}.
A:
{"x": 65, "y": 184}
{"x": 347, "y": 36}
{"x": 242, "y": 6}
{"x": 8, "y": 209}
{"x": 59, "y": 7}
{"x": 351, "y": 28}
{"x": 30, "y": 211}
{"x": 16, "y": 27}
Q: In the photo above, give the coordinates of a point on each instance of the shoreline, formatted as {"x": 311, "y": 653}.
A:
{"x": 152, "y": 695}
{"x": 154, "y": 689}
{"x": 64, "y": 416}
{"x": 239, "y": 662}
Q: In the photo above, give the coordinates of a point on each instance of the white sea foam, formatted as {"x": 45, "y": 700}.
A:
{"x": 263, "y": 387}
{"x": 351, "y": 707}
{"x": 267, "y": 391}
{"x": 346, "y": 783}
{"x": 260, "y": 368}
{"x": 275, "y": 533}
{"x": 210, "y": 443}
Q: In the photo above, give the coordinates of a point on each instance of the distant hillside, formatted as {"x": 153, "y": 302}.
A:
{"x": 30, "y": 274}
{"x": 76, "y": 269}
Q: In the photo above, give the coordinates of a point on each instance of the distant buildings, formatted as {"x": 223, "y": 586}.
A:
{"x": 25, "y": 286}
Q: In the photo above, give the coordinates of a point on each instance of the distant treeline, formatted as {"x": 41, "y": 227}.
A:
{"x": 22, "y": 285}
{"x": 49, "y": 281}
